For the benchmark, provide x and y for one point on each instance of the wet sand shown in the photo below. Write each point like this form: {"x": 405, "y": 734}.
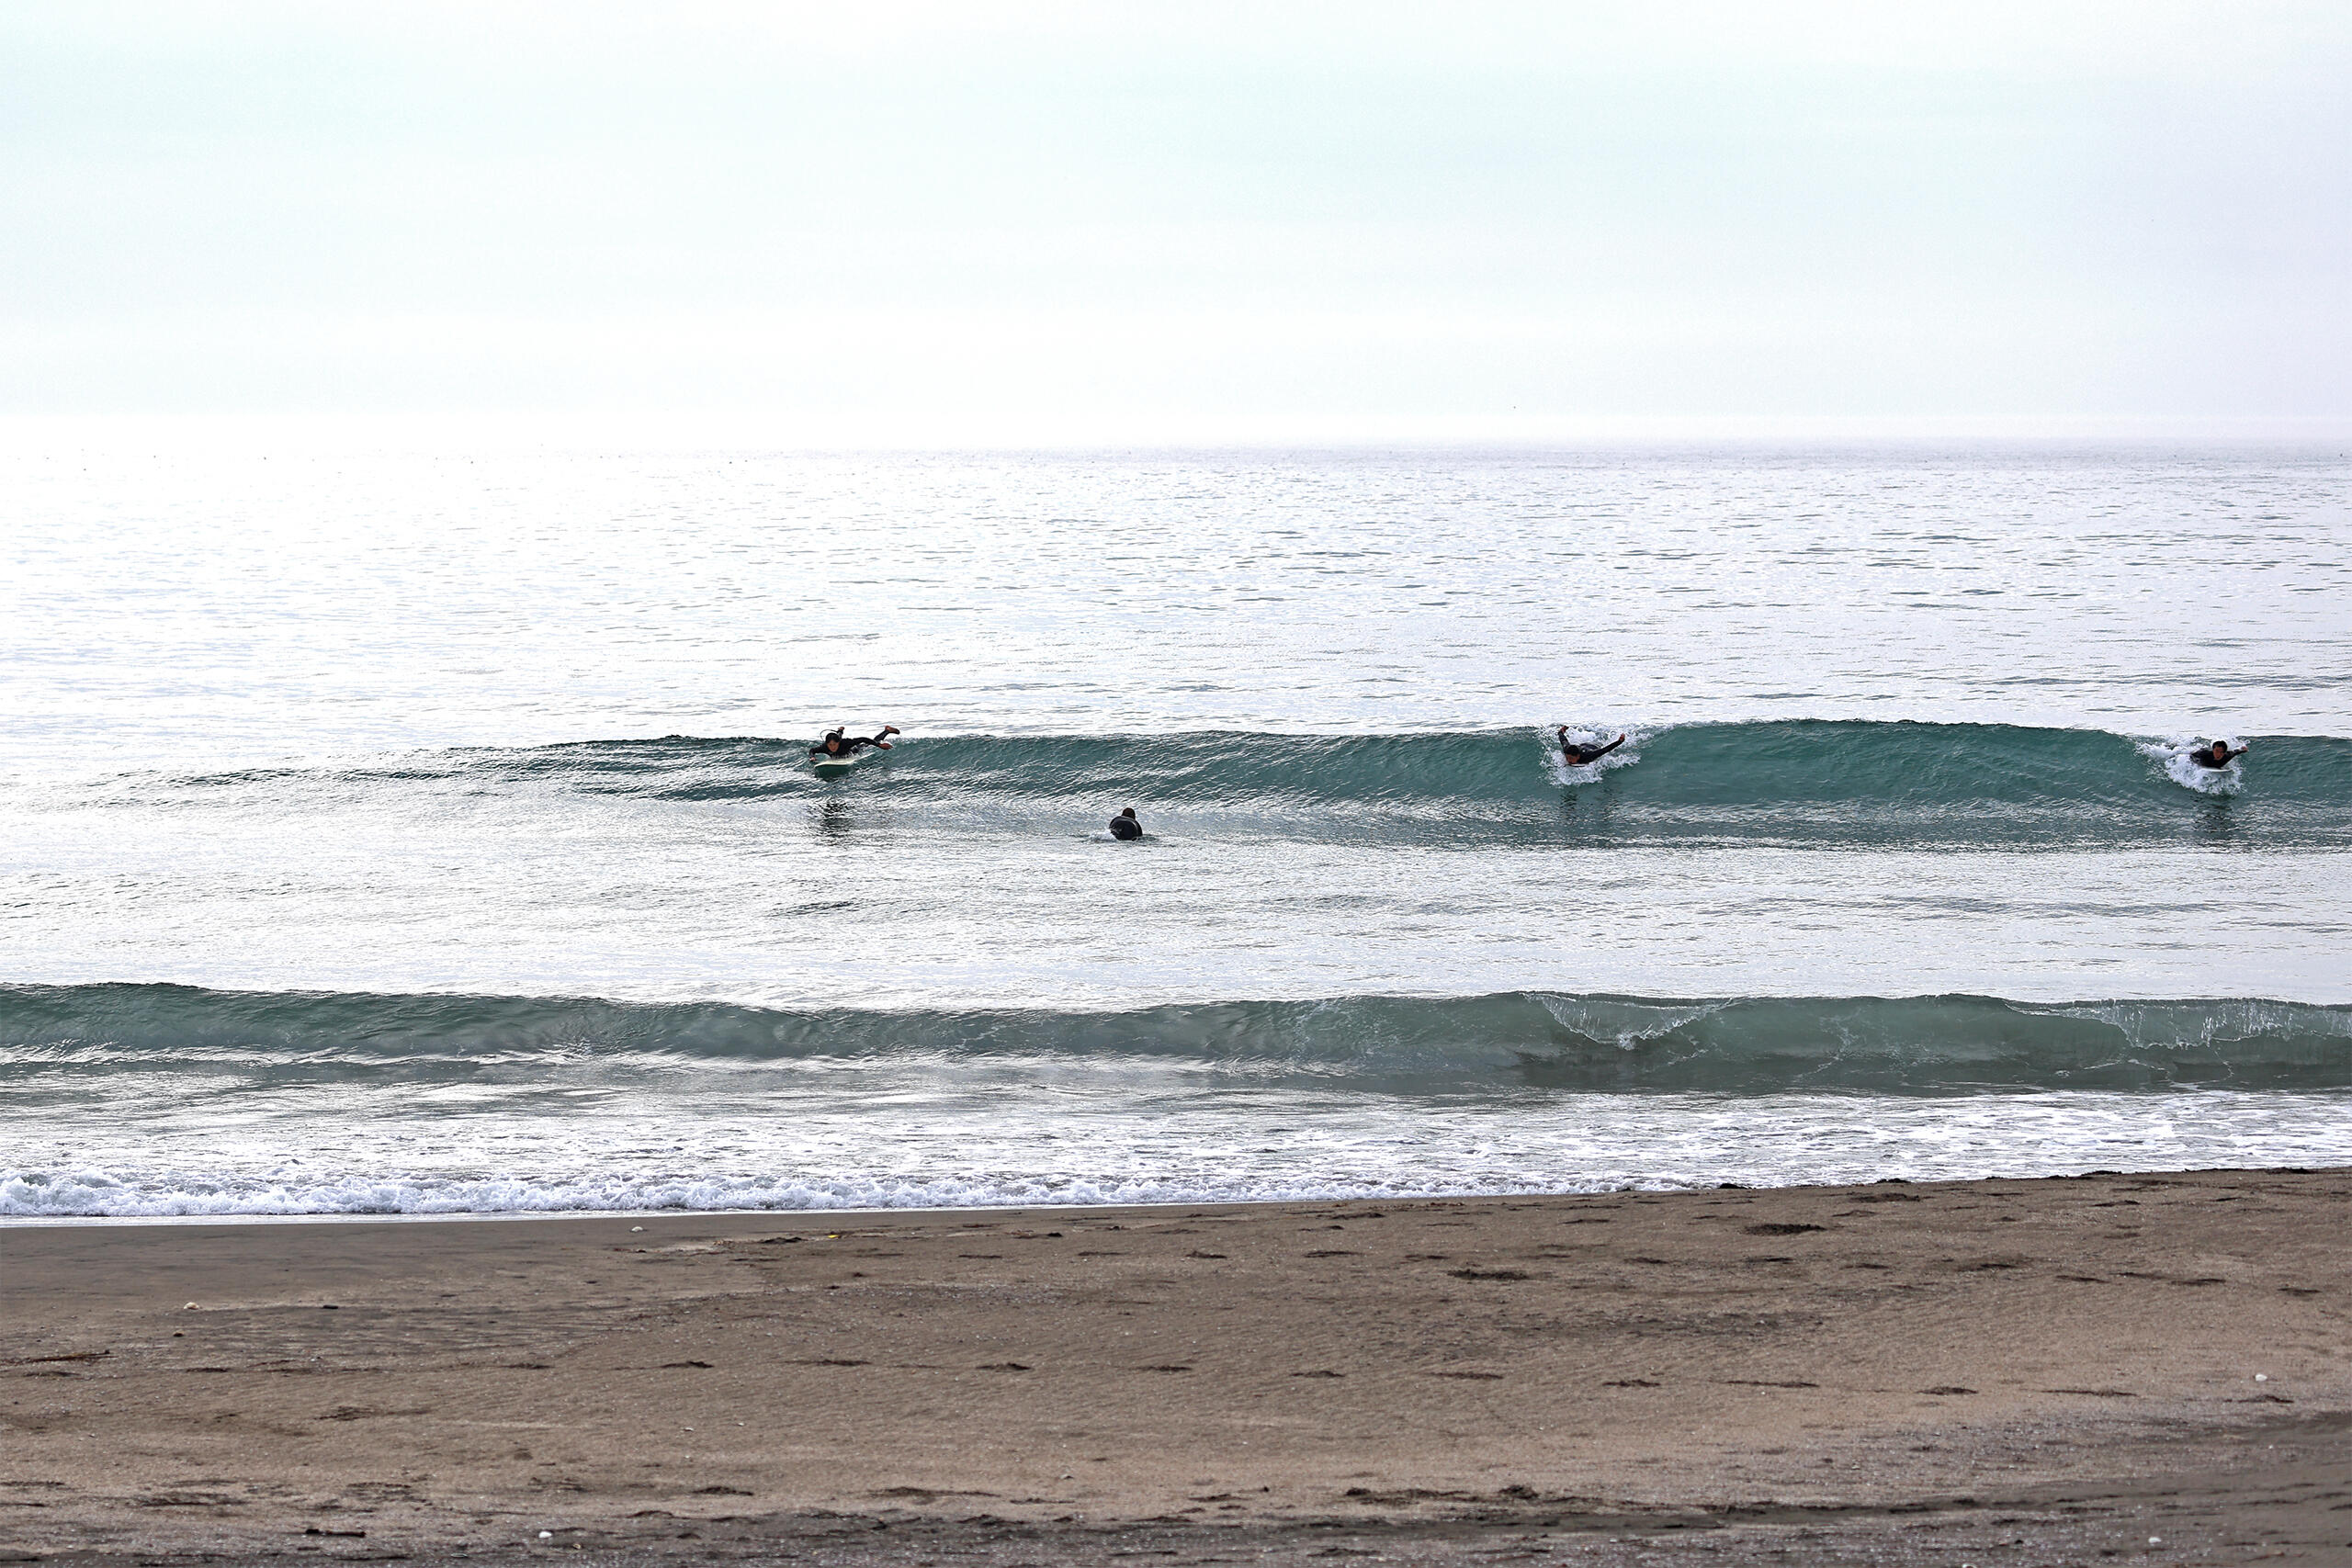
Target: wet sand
{"x": 1972, "y": 1372}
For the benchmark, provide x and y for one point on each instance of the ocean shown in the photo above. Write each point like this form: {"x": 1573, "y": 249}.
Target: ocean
{"x": 418, "y": 833}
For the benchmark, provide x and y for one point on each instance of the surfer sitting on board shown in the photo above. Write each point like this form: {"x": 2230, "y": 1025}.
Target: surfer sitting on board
{"x": 839, "y": 744}
{"x": 2217, "y": 755}
{"x": 1124, "y": 826}
{"x": 1578, "y": 754}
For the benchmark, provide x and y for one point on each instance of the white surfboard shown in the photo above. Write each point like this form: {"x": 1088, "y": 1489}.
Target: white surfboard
{"x": 835, "y": 767}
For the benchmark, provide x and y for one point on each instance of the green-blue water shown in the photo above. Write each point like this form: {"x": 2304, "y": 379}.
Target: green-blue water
{"x": 1802, "y": 784}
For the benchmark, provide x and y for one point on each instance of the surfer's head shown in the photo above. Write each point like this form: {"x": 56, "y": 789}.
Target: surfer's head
{"x": 1129, "y": 812}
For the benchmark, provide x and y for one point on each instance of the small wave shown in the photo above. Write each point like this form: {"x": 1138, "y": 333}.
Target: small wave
{"x": 1800, "y": 782}
{"x": 1732, "y": 1045}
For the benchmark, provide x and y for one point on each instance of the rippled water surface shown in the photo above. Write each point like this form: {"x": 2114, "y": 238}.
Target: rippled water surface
{"x": 1906, "y": 723}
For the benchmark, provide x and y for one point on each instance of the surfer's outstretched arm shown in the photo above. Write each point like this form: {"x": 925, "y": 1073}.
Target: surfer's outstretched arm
{"x": 1580, "y": 755}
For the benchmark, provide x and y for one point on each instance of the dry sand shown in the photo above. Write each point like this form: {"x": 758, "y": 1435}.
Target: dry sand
{"x": 2045, "y": 1371}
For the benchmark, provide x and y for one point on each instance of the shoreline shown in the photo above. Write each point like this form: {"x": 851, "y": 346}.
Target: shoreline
{"x": 867, "y": 1214}
{"x": 1888, "y": 1367}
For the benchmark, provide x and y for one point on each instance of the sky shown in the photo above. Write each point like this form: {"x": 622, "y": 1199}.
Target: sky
{"x": 1177, "y": 221}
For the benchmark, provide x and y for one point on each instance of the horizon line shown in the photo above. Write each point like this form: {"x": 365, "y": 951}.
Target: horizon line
{"x": 779, "y": 431}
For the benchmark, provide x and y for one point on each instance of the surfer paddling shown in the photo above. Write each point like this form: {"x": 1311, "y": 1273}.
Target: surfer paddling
{"x": 839, "y": 743}
{"x": 2217, "y": 755}
{"x": 1577, "y": 754}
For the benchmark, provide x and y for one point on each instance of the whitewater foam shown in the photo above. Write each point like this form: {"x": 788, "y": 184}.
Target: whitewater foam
{"x": 668, "y": 1153}
{"x": 1573, "y": 775}
{"x": 2173, "y": 756}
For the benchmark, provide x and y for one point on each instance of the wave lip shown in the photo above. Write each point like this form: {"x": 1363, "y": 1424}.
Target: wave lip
{"x": 1393, "y": 1044}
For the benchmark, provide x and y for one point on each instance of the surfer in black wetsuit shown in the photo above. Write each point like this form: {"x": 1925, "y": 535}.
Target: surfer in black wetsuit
{"x": 2217, "y": 755}
{"x": 1124, "y": 826}
{"x": 837, "y": 743}
{"x": 1578, "y": 755}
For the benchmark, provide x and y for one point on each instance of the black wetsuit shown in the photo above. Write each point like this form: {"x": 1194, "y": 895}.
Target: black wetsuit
{"x": 1578, "y": 756}
{"x": 1126, "y": 827}
{"x": 845, "y": 745}
{"x": 2215, "y": 756}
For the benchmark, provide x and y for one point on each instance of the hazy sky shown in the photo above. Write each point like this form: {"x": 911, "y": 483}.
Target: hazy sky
{"x": 1177, "y": 221}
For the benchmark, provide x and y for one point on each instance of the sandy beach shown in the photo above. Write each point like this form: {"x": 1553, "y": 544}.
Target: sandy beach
{"x": 2150, "y": 1366}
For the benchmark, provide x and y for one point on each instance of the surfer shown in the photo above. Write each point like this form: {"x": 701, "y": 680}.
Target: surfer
{"x": 1124, "y": 826}
{"x": 1578, "y": 754}
{"x": 838, "y": 743}
{"x": 2217, "y": 755}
